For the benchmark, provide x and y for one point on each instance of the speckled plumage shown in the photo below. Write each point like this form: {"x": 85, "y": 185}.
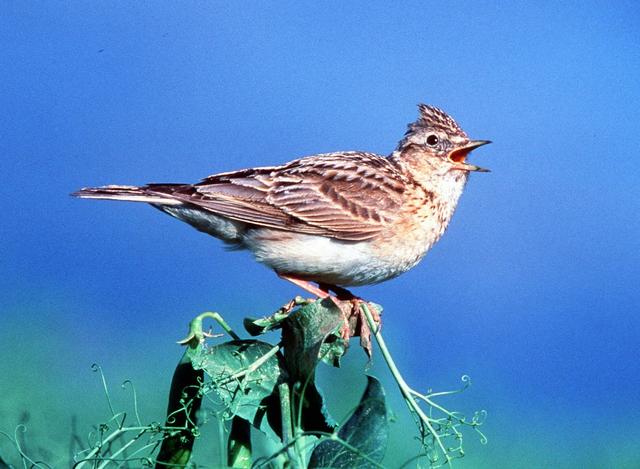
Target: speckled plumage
{"x": 344, "y": 218}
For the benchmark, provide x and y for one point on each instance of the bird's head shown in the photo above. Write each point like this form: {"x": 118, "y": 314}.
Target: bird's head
{"x": 438, "y": 139}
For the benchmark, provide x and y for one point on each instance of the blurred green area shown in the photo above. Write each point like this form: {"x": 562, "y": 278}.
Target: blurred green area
{"x": 48, "y": 386}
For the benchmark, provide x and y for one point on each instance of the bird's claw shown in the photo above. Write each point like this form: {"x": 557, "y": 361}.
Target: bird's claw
{"x": 355, "y": 322}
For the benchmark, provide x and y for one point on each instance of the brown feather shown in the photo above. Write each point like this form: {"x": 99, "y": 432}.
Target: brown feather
{"x": 350, "y": 196}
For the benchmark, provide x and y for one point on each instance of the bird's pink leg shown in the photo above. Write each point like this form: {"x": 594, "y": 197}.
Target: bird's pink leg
{"x": 348, "y": 303}
{"x": 306, "y": 285}
{"x": 345, "y": 295}
{"x": 322, "y": 291}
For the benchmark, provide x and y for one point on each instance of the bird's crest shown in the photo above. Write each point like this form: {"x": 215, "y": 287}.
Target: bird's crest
{"x": 435, "y": 118}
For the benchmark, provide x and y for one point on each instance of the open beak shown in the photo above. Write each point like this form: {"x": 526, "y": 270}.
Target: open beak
{"x": 459, "y": 155}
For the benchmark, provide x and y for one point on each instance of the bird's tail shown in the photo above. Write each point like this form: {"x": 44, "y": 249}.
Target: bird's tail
{"x": 128, "y": 193}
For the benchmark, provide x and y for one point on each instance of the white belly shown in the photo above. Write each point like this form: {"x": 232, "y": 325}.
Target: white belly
{"x": 326, "y": 260}
{"x": 322, "y": 259}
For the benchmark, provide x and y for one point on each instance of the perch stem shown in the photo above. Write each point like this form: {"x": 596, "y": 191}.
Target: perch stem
{"x": 405, "y": 389}
{"x": 287, "y": 425}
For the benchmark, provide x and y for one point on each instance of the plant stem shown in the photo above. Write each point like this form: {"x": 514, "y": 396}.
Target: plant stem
{"x": 406, "y": 391}
{"x": 251, "y": 368}
{"x": 287, "y": 426}
{"x": 95, "y": 451}
{"x": 115, "y": 455}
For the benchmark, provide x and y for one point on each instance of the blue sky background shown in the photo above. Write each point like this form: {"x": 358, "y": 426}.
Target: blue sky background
{"x": 533, "y": 291}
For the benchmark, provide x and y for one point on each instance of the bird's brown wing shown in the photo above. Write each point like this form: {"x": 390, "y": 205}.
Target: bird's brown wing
{"x": 350, "y": 196}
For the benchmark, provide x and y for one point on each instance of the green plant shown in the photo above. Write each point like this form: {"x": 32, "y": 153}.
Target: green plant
{"x": 250, "y": 385}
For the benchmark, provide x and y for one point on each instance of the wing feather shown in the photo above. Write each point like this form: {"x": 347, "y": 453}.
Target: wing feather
{"x": 350, "y": 196}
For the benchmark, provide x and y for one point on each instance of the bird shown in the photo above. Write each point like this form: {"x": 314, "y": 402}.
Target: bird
{"x": 338, "y": 220}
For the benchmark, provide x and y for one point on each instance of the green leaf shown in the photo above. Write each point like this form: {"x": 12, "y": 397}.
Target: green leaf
{"x": 243, "y": 373}
{"x": 303, "y": 334}
{"x": 333, "y": 346}
{"x": 332, "y": 350}
{"x": 239, "y": 444}
{"x": 366, "y": 434}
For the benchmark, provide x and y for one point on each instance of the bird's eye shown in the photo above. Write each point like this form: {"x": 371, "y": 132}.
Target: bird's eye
{"x": 432, "y": 140}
